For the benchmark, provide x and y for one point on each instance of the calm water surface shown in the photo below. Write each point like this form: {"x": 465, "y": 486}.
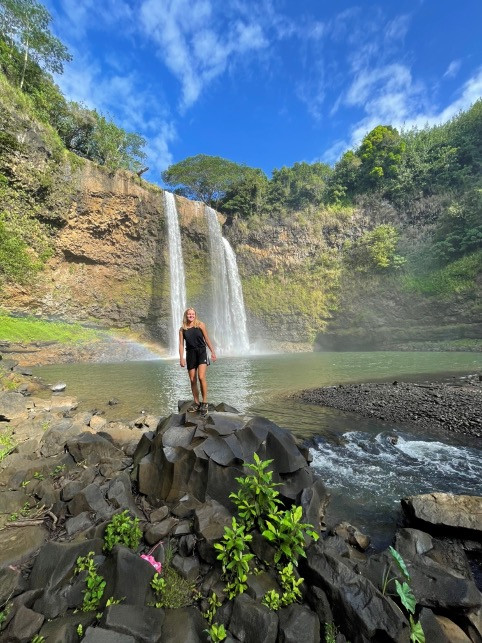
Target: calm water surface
{"x": 366, "y": 473}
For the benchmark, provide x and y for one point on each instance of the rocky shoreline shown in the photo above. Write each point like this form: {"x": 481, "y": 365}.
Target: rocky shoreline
{"x": 67, "y": 476}
{"x": 454, "y": 406}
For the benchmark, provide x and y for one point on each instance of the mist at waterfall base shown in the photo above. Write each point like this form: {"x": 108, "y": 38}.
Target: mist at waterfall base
{"x": 365, "y": 472}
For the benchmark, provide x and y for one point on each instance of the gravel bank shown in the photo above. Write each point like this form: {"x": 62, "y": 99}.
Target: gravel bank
{"x": 451, "y": 406}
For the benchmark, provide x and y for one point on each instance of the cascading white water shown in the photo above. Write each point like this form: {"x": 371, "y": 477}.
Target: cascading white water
{"x": 229, "y": 318}
{"x": 176, "y": 271}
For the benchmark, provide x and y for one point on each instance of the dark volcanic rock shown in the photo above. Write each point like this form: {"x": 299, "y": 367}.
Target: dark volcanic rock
{"x": 362, "y": 610}
{"x": 251, "y": 621}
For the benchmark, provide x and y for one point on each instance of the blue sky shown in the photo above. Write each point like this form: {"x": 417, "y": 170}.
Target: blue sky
{"x": 269, "y": 82}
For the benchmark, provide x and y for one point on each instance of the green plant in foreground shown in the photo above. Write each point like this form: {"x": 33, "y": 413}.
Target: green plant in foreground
{"x": 94, "y": 583}
{"x": 330, "y": 633}
{"x": 38, "y": 639}
{"x": 272, "y": 599}
{"x": 404, "y": 592}
{"x": 216, "y": 632}
{"x": 122, "y": 530}
{"x": 172, "y": 591}
{"x": 290, "y": 585}
{"x": 213, "y": 603}
{"x": 234, "y": 558}
{"x": 285, "y": 530}
{"x": 257, "y": 496}
{"x": 80, "y": 630}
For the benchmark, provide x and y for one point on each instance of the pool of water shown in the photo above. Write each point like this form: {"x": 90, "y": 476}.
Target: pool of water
{"x": 367, "y": 464}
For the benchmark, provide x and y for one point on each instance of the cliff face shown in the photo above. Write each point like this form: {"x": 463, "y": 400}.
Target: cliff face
{"x": 109, "y": 263}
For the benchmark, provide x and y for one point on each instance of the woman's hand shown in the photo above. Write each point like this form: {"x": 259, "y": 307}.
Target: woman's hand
{"x": 213, "y": 356}
{"x": 182, "y": 362}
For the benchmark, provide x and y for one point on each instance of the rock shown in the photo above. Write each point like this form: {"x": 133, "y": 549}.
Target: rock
{"x": 225, "y": 408}
{"x": 432, "y": 628}
{"x": 314, "y": 500}
{"x": 127, "y": 575}
{"x": 252, "y": 621}
{"x": 160, "y": 530}
{"x": 81, "y": 522}
{"x": 64, "y": 629}
{"x": 352, "y": 535}
{"x": 12, "y": 405}
{"x": 188, "y": 568}
{"x": 93, "y": 449}
{"x": 120, "y": 495}
{"x": 446, "y": 511}
{"x": 101, "y": 635}
{"x": 361, "y": 608}
{"x": 60, "y": 386}
{"x": 259, "y": 584}
{"x": 210, "y": 520}
{"x": 298, "y": 624}
{"x": 113, "y": 401}
{"x": 18, "y": 544}
{"x": 91, "y": 499}
{"x": 452, "y": 632}
{"x": 97, "y": 423}
{"x": 11, "y": 583}
{"x": 54, "y": 439}
{"x": 24, "y": 625}
{"x": 142, "y": 623}
{"x": 159, "y": 514}
{"x": 55, "y": 562}
{"x": 183, "y": 625}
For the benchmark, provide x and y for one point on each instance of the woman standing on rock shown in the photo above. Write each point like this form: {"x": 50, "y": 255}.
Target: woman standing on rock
{"x": 194, "y": 333}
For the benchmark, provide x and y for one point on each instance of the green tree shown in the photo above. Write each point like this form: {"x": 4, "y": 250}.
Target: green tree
{"x": 25, "y": 23}
{"x": 298, "y": 186}
{"x": 380, "y": 153}
{"x": 114, "y": 147}
{"x": 247, "y": 197}
{"x": 342, "y": 184}
{"x": 205, "y": 178}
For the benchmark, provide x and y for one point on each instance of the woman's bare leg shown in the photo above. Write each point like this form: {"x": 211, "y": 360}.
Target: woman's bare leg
{"x": 201, "y": 372}
{"x": 194, "y": 388}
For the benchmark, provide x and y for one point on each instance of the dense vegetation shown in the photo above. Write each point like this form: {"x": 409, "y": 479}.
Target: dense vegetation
{"x": 420, "y": 189}
{"x": 28, "y": 52}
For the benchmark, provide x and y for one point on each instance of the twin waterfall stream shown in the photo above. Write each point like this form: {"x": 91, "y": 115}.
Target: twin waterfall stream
{"x": 229, "y": 333}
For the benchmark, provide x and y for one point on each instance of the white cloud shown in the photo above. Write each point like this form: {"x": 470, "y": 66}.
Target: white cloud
{"x": 389, "y": 96}
{"x": 453, "y": 69}
{"x": 195, "y": 44}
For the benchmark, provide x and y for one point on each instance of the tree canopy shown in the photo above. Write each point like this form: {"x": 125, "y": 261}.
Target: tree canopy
{"x": 202, "y": 177}
{"x": 25, "y": 23}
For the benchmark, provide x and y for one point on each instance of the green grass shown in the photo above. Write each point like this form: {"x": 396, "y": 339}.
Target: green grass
{"x": 7, "y": 444}
{"x": 455, "y": 278}
{"x": 30, "y": 329}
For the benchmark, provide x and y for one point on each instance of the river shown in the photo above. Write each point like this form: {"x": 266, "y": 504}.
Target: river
{"x": 365, "y": 472}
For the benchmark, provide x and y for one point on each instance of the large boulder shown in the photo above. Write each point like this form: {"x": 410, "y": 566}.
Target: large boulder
{"x": 446, "y": 511}
{"x": 364, "y": 612}
{"x": 200, "y": 458}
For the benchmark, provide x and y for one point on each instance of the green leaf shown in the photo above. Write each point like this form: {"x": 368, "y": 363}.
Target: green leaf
{"x": 416, "y": 632}
{"x": 406, "y": 596}
{"x": 400, "y": 563}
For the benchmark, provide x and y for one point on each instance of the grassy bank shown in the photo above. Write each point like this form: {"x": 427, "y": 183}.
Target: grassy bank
{"x": 30, "y": 329}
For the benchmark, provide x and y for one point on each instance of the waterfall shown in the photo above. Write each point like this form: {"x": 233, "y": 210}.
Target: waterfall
{"x": 229, "y": 317}
{"x": 176, "y": 271}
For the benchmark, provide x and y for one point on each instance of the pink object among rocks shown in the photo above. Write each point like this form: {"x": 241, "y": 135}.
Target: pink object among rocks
{"x": 152, "y": 561}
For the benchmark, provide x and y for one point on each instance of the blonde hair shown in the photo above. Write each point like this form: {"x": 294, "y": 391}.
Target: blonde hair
{"x": 196, "y": 323}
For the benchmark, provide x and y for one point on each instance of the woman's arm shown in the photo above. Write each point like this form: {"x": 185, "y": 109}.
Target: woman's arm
{"x": 202, "y": 326}
{"x": 182, "y": 361}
